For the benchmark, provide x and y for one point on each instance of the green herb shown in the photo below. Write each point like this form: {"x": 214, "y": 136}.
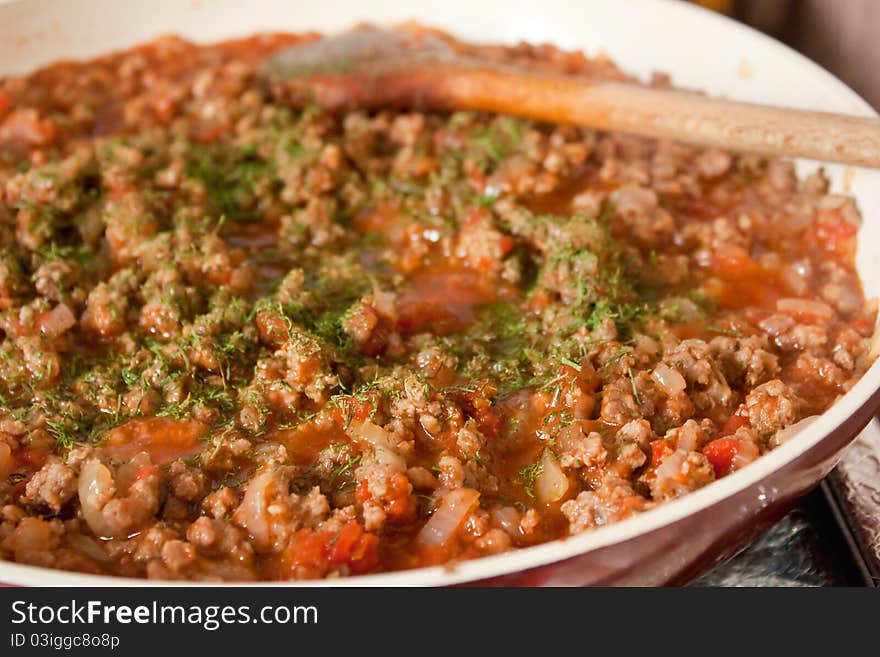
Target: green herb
{"x": 513, "y": 129}
{"x": 130, "y": 376}
{"x": 491, "y": 146}
{"x": 527, "y": 475}
{"x": 65, "y": 437}
{"x": 577, "y": 367}
{"x": 341, "y": 470}
{"x": 632, "y": 382}
{"x": 232, "y": 176}
{"x": 732, "y": 331}
{"x": 487, "y": 199}
{"x": 512, "y": 426}
{"x": 177, "y": 409}
{"x": 212, "y": 397}
{"x": 564, "y": 417}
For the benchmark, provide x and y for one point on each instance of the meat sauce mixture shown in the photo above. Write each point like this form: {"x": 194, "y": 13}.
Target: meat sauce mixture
{"x": 244, "y": 342}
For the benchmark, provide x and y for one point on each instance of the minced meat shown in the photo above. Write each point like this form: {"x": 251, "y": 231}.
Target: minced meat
{"x": 243, "y": 341}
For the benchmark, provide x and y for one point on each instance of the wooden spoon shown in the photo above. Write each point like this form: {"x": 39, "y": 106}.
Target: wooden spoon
{"x": 372, "y": 68}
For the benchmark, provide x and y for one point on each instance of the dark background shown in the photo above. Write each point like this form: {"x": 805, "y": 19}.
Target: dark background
{"x": 841, "y": 35}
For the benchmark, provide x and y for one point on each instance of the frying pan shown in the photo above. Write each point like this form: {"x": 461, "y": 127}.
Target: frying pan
{"x": 700, "y": 50}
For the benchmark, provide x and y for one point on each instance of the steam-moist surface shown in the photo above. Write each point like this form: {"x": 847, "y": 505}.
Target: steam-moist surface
{"x": 245, "y": 342}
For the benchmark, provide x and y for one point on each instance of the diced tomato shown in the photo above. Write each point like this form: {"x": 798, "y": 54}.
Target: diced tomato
{"x": 346, "y": 542}
{"x": 741, "y": 280}
{"x": 568, "y": 372}
{"x": 313, "y": 554}
{"x": 305, "y": 553}
{"x": 398, "y": 502}
{"x": 660, "y": 449}
{"x": 488, "y": 420}
{"x": 4, "y": 102}
{"x": 362, "y": 491}
{"x": 733, "y": 423}
{"x": 355, "y": 547}
{"x": 354, "y": 410}
{"x": 721, "y": 453}
{"x": 506, "y": 244}
{"x": 400, "y": 507}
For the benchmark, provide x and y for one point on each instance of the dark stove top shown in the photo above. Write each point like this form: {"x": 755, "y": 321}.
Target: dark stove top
{"x": 806, "y": 548}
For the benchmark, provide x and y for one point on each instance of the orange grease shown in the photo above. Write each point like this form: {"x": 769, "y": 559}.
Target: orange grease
{"x": 164, "y": 439}
{"x": 444, "y": 299}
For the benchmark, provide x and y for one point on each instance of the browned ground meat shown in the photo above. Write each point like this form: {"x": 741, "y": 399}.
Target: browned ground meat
{"x": 243, "y": 342}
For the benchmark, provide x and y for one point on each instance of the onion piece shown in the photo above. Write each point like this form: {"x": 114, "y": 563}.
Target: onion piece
{"x": 116, "y": 504}
{"x": 669, "y": 379}
{"x": 746, "y": 452}
{"x": 670, "y": 467}
{"x": 689, "y": 436}
{"x": 455, "y": 506}
{"x": 96, "y": 487}
{"x": 253, "y": 512}
{"x": 508, "y": 517}
{"x": 551, "y": 483}
{"x": 58, "y": 320}
{"x": 89, "y": 547}
{"x": 381, "y": 442}
{"x": 805, "y": 308}
{"x": 789, "y": 432}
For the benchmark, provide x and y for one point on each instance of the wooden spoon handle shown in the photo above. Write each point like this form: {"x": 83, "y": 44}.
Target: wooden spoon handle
{"x": 599, "y": 104}
{"x": 669, "y": 114}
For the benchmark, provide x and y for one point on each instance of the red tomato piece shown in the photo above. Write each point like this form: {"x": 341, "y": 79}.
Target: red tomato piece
{"x": 721, "y": 453}
{"x": 733, "y": 423}
{"x": 660, "y": 449}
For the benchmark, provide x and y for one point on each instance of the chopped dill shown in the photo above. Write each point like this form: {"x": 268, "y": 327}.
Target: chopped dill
{"x": 64, "y": 435}
{"x": 341, "y": 470}
{"x": 526, "y": 477}
{"x": 577, "y": 367}
{"x": 632, "y": 382}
